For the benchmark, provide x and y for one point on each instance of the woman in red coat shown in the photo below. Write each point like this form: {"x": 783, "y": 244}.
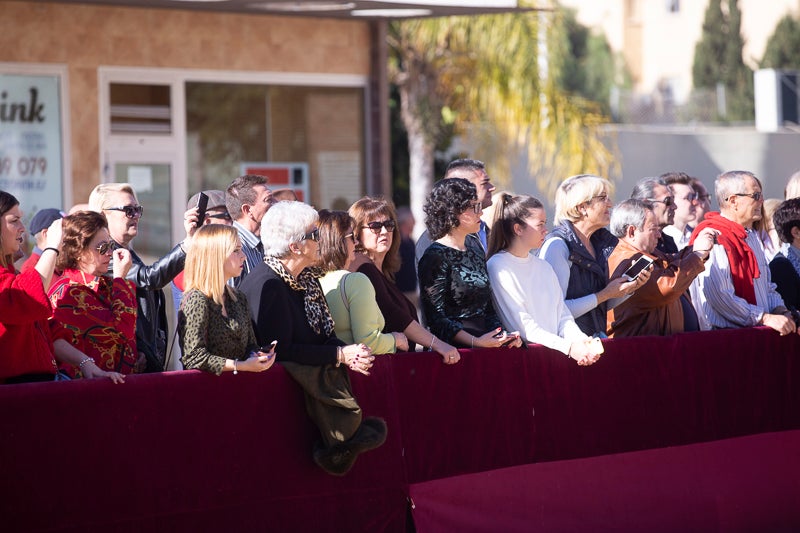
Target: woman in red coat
{"x": 27, "y": 350}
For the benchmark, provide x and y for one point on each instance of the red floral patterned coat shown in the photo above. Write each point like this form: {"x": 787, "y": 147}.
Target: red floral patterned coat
{"x": 99, "y": 316}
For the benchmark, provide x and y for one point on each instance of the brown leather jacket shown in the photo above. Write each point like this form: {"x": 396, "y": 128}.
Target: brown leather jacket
{"x": 654, "y": 309}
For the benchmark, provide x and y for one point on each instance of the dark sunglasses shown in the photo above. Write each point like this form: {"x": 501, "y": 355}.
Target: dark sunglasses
{"x": 131, "y": 211}
{"x": 312, "y": 235}
{"x": 106, "y": 246}
{"x": 375, "y": 227}
{"x": 754, "y": 195}
{"x": 668, "y": 201}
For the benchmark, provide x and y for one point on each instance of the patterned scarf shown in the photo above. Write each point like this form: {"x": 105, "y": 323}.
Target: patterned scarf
{"x": 317, "y": 312}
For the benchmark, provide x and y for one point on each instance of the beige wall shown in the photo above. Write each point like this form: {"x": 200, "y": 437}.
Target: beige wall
{"x": 85, "y": 37}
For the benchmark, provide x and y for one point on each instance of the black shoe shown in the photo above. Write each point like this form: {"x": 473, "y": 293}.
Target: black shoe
{"x": 336, "y": 460}
{"x": 370, "y": 435}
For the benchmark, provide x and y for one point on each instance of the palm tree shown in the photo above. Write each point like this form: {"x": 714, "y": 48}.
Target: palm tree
{"x": 489, "y": 75}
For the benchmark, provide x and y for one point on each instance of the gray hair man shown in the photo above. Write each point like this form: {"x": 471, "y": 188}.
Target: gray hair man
{"x": 736, "y": 289}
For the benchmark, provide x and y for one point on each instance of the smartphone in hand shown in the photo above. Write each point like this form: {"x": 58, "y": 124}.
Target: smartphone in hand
{"x": 202, "y": 205}
{"x": 268, "y": 348}
{"x": 636, "y": 268}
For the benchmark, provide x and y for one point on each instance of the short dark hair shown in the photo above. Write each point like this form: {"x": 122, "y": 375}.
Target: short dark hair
{"x": 455, "y": 167}
{"x": 448, "y": 199}
{"x": 333, "y": 226}
{"x": 241, "y": 192}
{"x": 78, "y": 230}
{"x": 676, "y": 177}
{"x": 786, "y": 217}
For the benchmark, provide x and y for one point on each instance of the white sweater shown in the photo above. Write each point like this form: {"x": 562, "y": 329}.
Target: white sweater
{"x": 528, "y": 299}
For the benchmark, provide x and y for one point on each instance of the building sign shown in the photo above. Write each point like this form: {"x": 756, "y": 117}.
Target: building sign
{"x": 30, "y": 141}
{"x": 292, "y": 176}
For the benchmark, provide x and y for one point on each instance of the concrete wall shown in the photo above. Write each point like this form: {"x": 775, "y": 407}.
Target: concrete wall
{"x": 85, "y": 37}
{"x": 703, "y": 153}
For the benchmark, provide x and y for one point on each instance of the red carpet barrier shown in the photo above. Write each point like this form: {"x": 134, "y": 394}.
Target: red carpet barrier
{"x": 190, "y": 451}
{"x": 742, "y": 484}
{"x": 187, "y": 451}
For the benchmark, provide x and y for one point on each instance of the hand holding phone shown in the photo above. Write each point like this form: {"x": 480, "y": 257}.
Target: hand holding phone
{"x": 269, "y": 349}
{"x": 202, "y": 205}
{"x": 637, "y": 267}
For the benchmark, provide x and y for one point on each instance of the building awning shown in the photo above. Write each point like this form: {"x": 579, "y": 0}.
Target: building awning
{"x": 341, "y": 9}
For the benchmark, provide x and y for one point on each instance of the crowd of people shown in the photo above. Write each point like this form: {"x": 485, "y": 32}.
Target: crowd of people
{"x": 260, "y": 279}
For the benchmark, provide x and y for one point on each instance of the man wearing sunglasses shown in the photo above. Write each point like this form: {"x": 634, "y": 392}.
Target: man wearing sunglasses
{"x": 736, "y": 289}
{"x": 656, "y": 193}
{"x": 118, "y": 202}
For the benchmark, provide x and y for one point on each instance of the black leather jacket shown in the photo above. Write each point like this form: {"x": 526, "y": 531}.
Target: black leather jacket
{"x": 151, "y": 322}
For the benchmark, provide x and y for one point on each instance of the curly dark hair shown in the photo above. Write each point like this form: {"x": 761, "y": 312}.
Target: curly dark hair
{"x": 78, "y": 229}
{"x": 786, "y": 217}
{"x": 333, "y": 226}
{"x": 448, "y": 199}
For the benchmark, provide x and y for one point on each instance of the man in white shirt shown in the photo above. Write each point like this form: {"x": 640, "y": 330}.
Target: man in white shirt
{"x": 735, "y": 290}
{"x": 685, "y": 207}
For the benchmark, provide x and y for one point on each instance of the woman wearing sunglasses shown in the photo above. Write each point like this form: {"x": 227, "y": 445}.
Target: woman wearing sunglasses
{"x": 95, "y": 313}
{"x": 378, "y": 258}
{"x": 287, "y": 305}
{"x": 578, "y": 250}
{"x": 350, "y": 295}
{"x": 455, "y": 290}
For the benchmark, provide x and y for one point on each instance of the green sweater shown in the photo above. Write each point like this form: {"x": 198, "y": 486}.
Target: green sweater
{"x": 363, "y": 322}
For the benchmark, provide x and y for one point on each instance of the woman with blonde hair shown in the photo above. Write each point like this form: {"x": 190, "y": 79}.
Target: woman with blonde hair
{"x": 578, "y": 250}
{"x": 216, "y": 334}
{"x": 350, "y": 295}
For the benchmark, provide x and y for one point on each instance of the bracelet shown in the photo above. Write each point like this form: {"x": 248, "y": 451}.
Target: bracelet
{"x": 235, "y": 370}
{"x": 51, "y": 248}
{"x": 433, "y": 338}
{"x": 473, "y": 341}
{"x": 87, "y": 360}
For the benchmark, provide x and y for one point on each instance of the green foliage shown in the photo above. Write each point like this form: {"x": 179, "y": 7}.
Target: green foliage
{"x": 588, "y": 67}
{"x": 718, "y": 59}
{"x": 484, "y": 71}
{"x": 783, "y": 46}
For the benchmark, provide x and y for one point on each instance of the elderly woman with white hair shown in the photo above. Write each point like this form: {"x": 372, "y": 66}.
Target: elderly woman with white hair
{"x": 578, "y": 250}
{"x": 287, "y": 305}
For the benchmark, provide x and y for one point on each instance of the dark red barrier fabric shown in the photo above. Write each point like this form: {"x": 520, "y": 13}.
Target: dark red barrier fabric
{"x": 742, "y": 484}
{"x": 192, "y": 451}
{"x": 188, "y": 451}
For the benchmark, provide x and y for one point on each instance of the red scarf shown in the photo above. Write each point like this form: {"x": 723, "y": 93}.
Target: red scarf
{"x": 744, "y": 267}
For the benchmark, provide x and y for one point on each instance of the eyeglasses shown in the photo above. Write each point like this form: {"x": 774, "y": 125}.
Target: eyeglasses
{"x": 756, "y": 196}
{"x": 375, "y": 227}
{"x": 351, "y": 236}
{"x": 106, "y": 246}
{"x": 703, "y": 197}
{"x": 691, "y": 197}
{"x": 477, "y": 208}
{"x": 223, "y": 216}
{"x": 668, "y": 201}
{"x": 131, "y": 211}
{"x": 312, "y": 235}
